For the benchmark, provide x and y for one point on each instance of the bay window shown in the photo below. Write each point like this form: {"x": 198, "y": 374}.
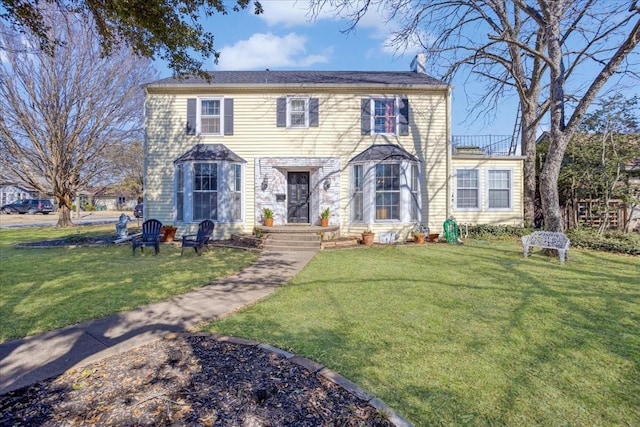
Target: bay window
{"x": 209, "y": 189}
{"x": 385, "y": 186}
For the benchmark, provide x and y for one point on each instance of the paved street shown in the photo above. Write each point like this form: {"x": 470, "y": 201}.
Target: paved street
{"x": 39, "y": 220}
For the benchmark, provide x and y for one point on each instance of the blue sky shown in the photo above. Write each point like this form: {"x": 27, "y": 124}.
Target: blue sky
{"x": 286, "y": 38}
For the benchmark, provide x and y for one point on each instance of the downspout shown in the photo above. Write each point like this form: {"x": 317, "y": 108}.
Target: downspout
{"x": 449, "y": 154}
{"x": 145, "y": 148}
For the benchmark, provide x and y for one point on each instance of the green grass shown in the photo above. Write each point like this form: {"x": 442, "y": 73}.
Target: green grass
{"x": 468, "y": 335}
{"x": 44, "y": 289}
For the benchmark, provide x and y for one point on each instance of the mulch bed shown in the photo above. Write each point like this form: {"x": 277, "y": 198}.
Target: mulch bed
{"x": 189, "y": 380}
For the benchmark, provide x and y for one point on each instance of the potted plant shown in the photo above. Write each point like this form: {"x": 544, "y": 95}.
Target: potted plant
{"x": 268, "y": 217}
{"x": 168, "y": 233}
{"x": 324, "y": 217}
{"x": 367, "y": 237}
{"x": 418, "y": 237}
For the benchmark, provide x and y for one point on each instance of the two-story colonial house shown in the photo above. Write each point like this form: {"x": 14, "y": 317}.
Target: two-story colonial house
{"x": 373, "y": 147}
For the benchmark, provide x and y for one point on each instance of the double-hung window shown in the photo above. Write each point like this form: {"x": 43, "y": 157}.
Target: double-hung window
{"x": 205, "y": 191}
{"x": 235, "y": 186}
{"x": 179, "y": 183}
{"x": 415, "y": 188}
{"x": 210, "y": 116}
{"x": 498, "y": 189}
{"x": 357, "y": 206}
{"x": 298, "y": 112}
{"x": 467, "y": 189}
{"x": 387, "y": 191}
{"x": 384, "y": 116}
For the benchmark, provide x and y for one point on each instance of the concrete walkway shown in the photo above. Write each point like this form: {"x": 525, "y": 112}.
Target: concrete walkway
{"x": 26, "y": 361}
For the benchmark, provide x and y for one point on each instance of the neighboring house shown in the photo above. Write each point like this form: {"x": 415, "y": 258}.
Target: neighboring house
{"x": 111, "y": 199}
{"x": 373, "y": 147}
{"x": 10, "y": 192}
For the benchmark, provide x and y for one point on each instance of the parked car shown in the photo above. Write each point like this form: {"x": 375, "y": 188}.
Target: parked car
{"x": 137, "y": 211}
{"x": 30, "y": 206}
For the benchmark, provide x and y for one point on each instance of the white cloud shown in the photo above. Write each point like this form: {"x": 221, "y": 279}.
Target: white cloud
{"x": 290, "y": 13}
{"x": 269, "y": 51}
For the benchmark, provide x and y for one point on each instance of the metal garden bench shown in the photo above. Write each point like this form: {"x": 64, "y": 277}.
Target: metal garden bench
{"x": 547, "y": 240}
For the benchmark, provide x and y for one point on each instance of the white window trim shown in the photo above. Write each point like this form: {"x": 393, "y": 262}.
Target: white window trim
{"x": 199, "y": 115}
{"x": 455, "y": 190}
{"x": 372, "y": 107}
{"x": 510, "y": 170}
{"x": 402, "y": 184}
{"x": 352, "y": 192}
{"x": 369, "y": 192}
{"x": 306, "y": 112}
{"x": 242, "y": 192}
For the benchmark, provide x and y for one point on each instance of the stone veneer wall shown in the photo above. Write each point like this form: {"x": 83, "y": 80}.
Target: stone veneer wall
{"x": 320, "y": 169}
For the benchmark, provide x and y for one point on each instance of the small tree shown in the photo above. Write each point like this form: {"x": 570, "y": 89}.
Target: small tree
{"x": 59, "y": 111}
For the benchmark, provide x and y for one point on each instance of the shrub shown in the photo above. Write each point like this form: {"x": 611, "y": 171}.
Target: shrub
{"x": 485, "y": 231}
{"x": 612, "y": 241}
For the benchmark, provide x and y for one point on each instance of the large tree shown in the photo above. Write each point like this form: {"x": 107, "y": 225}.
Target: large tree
{"x": 552, "y": 54}
{"x": 169, "y": 29}
{"x": 59, "y": 111}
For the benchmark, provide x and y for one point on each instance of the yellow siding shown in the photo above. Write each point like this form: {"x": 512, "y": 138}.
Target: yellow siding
{"x": 256, "y": 135}
{"x": 483, "y": 215}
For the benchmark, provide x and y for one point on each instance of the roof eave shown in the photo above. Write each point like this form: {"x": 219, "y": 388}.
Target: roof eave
{"x": 171, "y": 87}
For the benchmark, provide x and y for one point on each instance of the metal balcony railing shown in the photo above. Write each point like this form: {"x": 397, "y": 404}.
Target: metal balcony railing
{"x": 490, "y": 145}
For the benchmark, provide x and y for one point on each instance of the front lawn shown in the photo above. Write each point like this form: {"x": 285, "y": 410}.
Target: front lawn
{"x": 468, "y": 335}
{"x": 44, "y": 289}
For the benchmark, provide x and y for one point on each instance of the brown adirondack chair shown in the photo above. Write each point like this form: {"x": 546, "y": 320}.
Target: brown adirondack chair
{"x": 150, "y": 236}
{"x": 198, "y": 241}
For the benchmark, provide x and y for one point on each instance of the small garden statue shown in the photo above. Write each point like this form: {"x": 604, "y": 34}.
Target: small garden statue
{"x": 121, "y": 226}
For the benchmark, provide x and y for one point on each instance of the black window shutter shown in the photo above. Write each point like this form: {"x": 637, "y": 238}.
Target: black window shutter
{"x": 365, "y": 116}
{"x": 281, "y": 112}
{"x": 404, "y": 116}
{"x": 191, "y": 116}
{"x": 313, "y": 112}
{"x": 228, "y": 116}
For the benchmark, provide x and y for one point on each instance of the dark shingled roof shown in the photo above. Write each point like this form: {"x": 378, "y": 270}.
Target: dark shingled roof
{"x": 210, "y": 152}
{"x": 384, "y": 152}
{"x": 307, "y": 77}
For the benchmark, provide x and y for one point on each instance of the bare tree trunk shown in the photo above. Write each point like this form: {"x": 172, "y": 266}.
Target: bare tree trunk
{"x": 64, "y": 200}
{"x": 528, "y": 147}
{"x": 549, "y": 186}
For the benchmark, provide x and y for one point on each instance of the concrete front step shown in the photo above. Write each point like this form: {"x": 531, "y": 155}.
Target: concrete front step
{"x": 292, "y": 242}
